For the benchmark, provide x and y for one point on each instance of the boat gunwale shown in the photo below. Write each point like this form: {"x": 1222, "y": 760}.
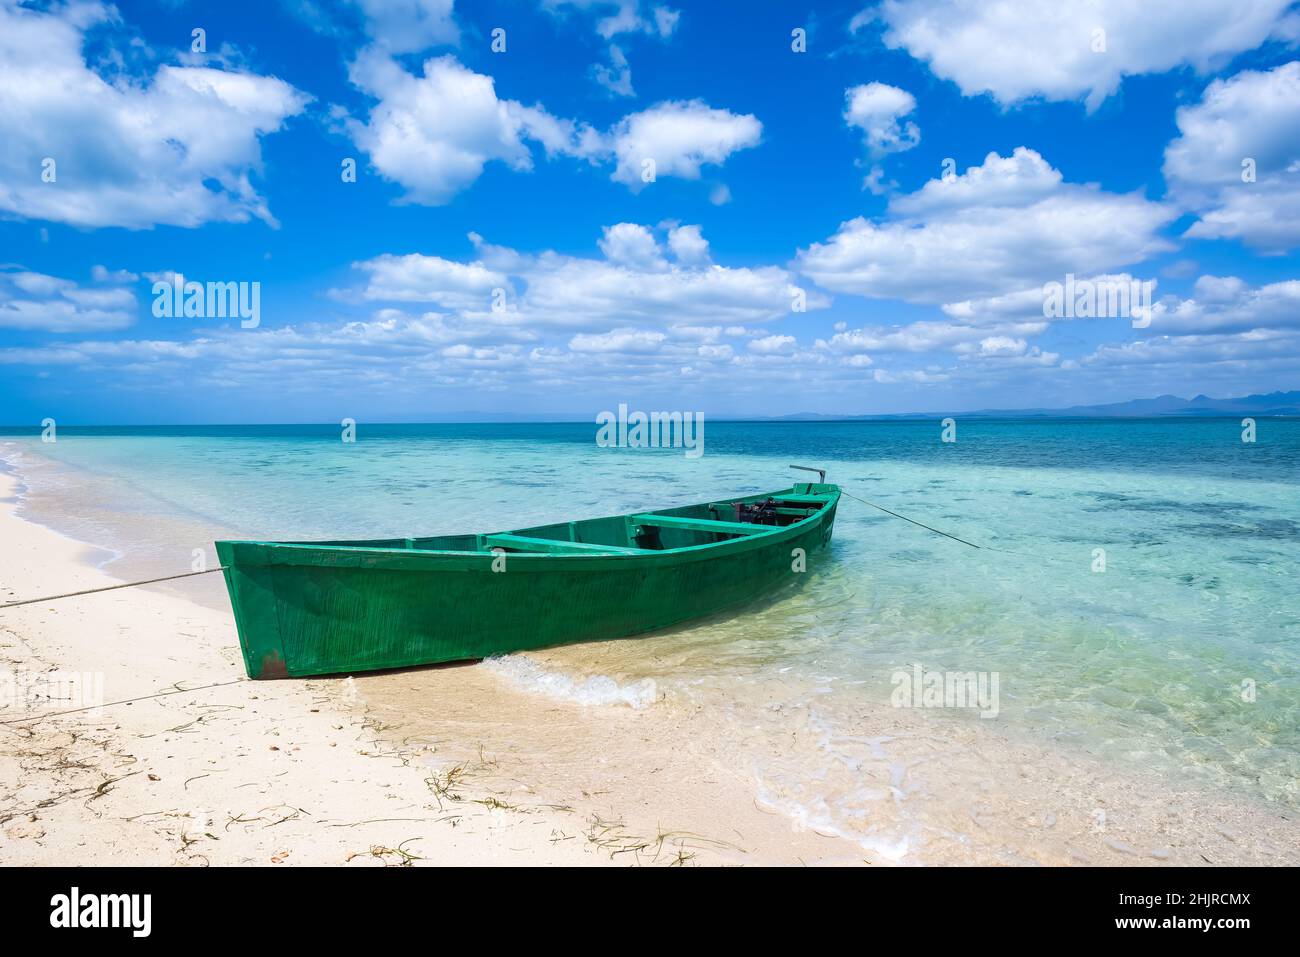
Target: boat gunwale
{"x": 275, "y": 553}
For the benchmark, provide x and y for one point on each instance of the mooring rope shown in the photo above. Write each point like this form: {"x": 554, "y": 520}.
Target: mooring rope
{"x": 42, "y": 715}
{"x": 1041, "y": 558}
{"x": 915, "y": 522}
{"x": 91, "y": 591}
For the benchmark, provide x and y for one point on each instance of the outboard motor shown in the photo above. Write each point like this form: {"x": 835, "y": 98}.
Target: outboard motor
{"x": 757, "y": 513}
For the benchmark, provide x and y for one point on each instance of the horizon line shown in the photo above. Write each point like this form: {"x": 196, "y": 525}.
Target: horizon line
{"x": 765, "y": 420}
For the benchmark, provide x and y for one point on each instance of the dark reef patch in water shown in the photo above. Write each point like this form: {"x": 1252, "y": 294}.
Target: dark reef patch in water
{"x": 1146, "y": 538}
{"x": 1255, "y": 559}
{"x": 1138, "y": 504}
{"x": 911, "y": 555}
{"x": 1275, "y": 529}
{"x": 1187, "y": 578}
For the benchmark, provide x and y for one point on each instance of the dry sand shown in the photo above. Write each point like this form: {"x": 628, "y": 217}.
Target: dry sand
{"x": 457, "y": 765}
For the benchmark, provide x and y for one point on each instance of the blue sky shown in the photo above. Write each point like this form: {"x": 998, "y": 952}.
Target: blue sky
{"x": 864, "y": 226}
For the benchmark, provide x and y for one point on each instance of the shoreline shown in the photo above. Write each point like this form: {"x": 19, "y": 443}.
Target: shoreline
{"x": 465, "y": 764}
{"x": 272, "y": 773}
{"x": 241, "y": 773}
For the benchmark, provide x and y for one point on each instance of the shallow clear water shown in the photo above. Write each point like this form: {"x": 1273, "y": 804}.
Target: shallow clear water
{"x": 1183, "y": 656}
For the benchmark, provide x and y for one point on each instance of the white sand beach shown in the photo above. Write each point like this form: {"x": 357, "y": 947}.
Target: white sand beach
{"x": 189, "y": 764}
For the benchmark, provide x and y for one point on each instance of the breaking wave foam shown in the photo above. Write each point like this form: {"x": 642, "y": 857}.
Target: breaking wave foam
{"x": 597, "y": 690}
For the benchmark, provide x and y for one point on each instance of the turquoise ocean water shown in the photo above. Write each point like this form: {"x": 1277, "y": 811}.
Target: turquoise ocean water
{"x": 1183, "y": 657}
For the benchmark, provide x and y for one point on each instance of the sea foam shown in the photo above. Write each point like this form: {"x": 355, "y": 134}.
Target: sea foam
{"x": 596, "y": 690}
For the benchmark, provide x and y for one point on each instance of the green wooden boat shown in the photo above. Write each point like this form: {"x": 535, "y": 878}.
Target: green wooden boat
{"x": 316, "y": 608}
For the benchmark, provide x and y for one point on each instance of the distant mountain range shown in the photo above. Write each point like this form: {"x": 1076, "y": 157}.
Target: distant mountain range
{"x": 1274, "y": 403}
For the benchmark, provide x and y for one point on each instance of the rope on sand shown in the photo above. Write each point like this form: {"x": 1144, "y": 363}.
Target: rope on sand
{"x": 40, "y": 716}
{"x": 91, "y": 591}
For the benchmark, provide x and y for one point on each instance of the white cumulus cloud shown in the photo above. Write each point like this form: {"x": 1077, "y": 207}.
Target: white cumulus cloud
{"x": 620, "y": 340}
{"x": 432, "y": 279}
{"x": 622, "y": 16}
{"x": 876, "y": 109}
{"x": 1237, "y": 159}
{"x": 638, "y": 279}
{"x": 1224, "y": 304}
{"x": 434, "y": 133}
{"x": 1002, "y": 227}
{"x": 688, "y": 245}
{"x": 31, "y": 300}
{"x": 774, "y": 344}
{"x": 1052, "y": 48}
{"x": 178, "y": 148}
{"x": 408, "y": 26}
{"x": 634, "y": 246}
{"x": 617, "y": 76}
{"x": 676, "y": 139}
{"x": 619, "y": 18}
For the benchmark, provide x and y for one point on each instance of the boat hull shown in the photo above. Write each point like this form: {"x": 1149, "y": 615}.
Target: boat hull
{"x": 308, "y": 609}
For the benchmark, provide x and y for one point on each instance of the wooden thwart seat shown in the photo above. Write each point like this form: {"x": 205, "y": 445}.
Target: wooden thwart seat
{"x": 816, "y": 500}
{"x": 524, "y": 543}
{"x": 700, "y": 524}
